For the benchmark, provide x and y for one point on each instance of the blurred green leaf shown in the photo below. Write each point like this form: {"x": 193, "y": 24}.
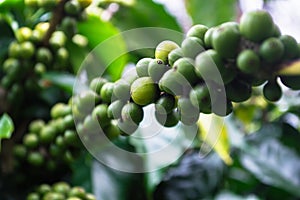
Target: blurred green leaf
{"x": 7, "y": 4}
{"x": 211, "y": 13}
{"x": 225, "y": 195}
{"x": 6, "y": 127}
{"x": 270, "y": 156}
{"x": 109, "y": 47}
{"x": 145, "y": 13}
{"x": 81, "y": 171}
{"x": 77, "y": 55}
{"x": 193, "y": 178}
{"x": 64, "y": 81}
{"x": 118, "y": 185}
{"x": 6, "y": 36}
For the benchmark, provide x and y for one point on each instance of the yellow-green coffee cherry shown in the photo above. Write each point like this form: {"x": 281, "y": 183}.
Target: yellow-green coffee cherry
{"x": 197, "y": 30}
{"x": 156, "y": 69}
{"x": 163, "y": 49}
{"x": 142, "y": 67}
{"x": 192, "y": 46}
{"x": 144, "y": 91}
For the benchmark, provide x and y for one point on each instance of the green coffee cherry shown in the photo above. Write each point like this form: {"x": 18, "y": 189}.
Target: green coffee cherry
{"x": 20, "y": 151}
{"x": 36, "y": 126}
{"x": 226, "y": 40}
{"x": 219, "y": 109}
{"x": 272, "y": 91}
{"x": 188, "y": 114}
{"x": 156, "y": 69}
{"x": 201, "y": 99}
{"x": 35, "y": 159}
{"x": 62, "y": 56}
{"x": 144, "y": 91}
{"x": 271, "y": 50}
{"x": 198, "y": 31}
{"x": 97, "y": 83}
{"x": 208, "y": 37}
{"x": 42, "y": 27}
{"x": 167, "y": 120}
{"x": 172, "y": 82}
{"x": 86, "y": 101}
{"x": 142, "y": 67}
{"x": 68, "y": 121}
{"x": 61, "y": 187}
{"x": 163, "y": 49}
{"x": 85, "y": 3}
{"x": 238, "y": 91}
{"x": 192, "y": 46}
{"x": 292, "y": 82}
{"x": 106, "y": 92}
{"x": 47, "y": 134}
{"x": 291, "y": 49}
{"x": 72, "y": 7}
{"x": 40, "y": 68}
{"x": 54, "y": 196}
{"x": 174, "y": 55}
{"x": 90, "y": 197}
{"x": 100, "y": 114}
{"x": 121, "y": 90}
{"x": 23, "y": 34}
{"x": 165, "y": 104}
{"x": 33, "y": 196}
{"x": 43, "y": 189}
{"x": 31, "y": 140}
{"x": 47, "y": 4}
{"x": 44, "y": 55}
{"x": 77, "y": 192}
{"x": 14, "y": 50}
{"x": 256, "y": 25}
{"x": 127, "y": 127}
{"x": 69, "y": 26}
{"x": 132, "y": 112}
{"x": 60, "y": 142}
{"x": 248, "y": 61}
{"x": 36, "y": 36}
{"x": 112, "y": 131}
{"x": 55, "y": 151}
{"x": 27, "y": 49}
{"x": 57, "y": 40}
{"x": 114, "y": 109}
{"x": 209, "y": 65}
{"x": 60, "y": 110}
{"x": 185, "y": 66}
{"x": 130, "y": 75}
{"x": 71, "y": 138}
{"x": 10, "y": 64}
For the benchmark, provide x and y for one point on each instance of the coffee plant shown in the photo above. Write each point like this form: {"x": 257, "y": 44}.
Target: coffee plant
{"x": 63, "y": 100}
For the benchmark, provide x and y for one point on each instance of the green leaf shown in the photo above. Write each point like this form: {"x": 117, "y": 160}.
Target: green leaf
{"x": 77, "y": 56}
{"x": 145, "y": 13}
{"x": 7, "y": 4}
{"x": 64, "y": 81}
{"x": 211, "y": 13}
{"x": 271, "y": 156}
{"x": 6, "y": 127}
{"x": 193, "y": 178}
{"x": 109, "y": 46}
{"x": 225, "y": 195}
{"x": 114, "y": 184}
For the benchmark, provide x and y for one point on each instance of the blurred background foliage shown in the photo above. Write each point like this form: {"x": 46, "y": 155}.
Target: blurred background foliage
{"x": 263, "y": 137}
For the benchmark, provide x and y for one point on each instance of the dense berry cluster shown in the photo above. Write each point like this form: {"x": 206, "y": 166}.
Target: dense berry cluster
{"x": 38, "y": 49}
{"x": 50, "y": 145}
{"x": 60, "y": 191}
{"x": 182, "y": 81}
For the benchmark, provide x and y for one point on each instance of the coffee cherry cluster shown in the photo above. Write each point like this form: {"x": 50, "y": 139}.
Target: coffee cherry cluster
{"x": 60, "y": 191}
{"x": 50, "y": 145}
{"x": 38, "y": 49}
{"x": 182, "y": 81}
